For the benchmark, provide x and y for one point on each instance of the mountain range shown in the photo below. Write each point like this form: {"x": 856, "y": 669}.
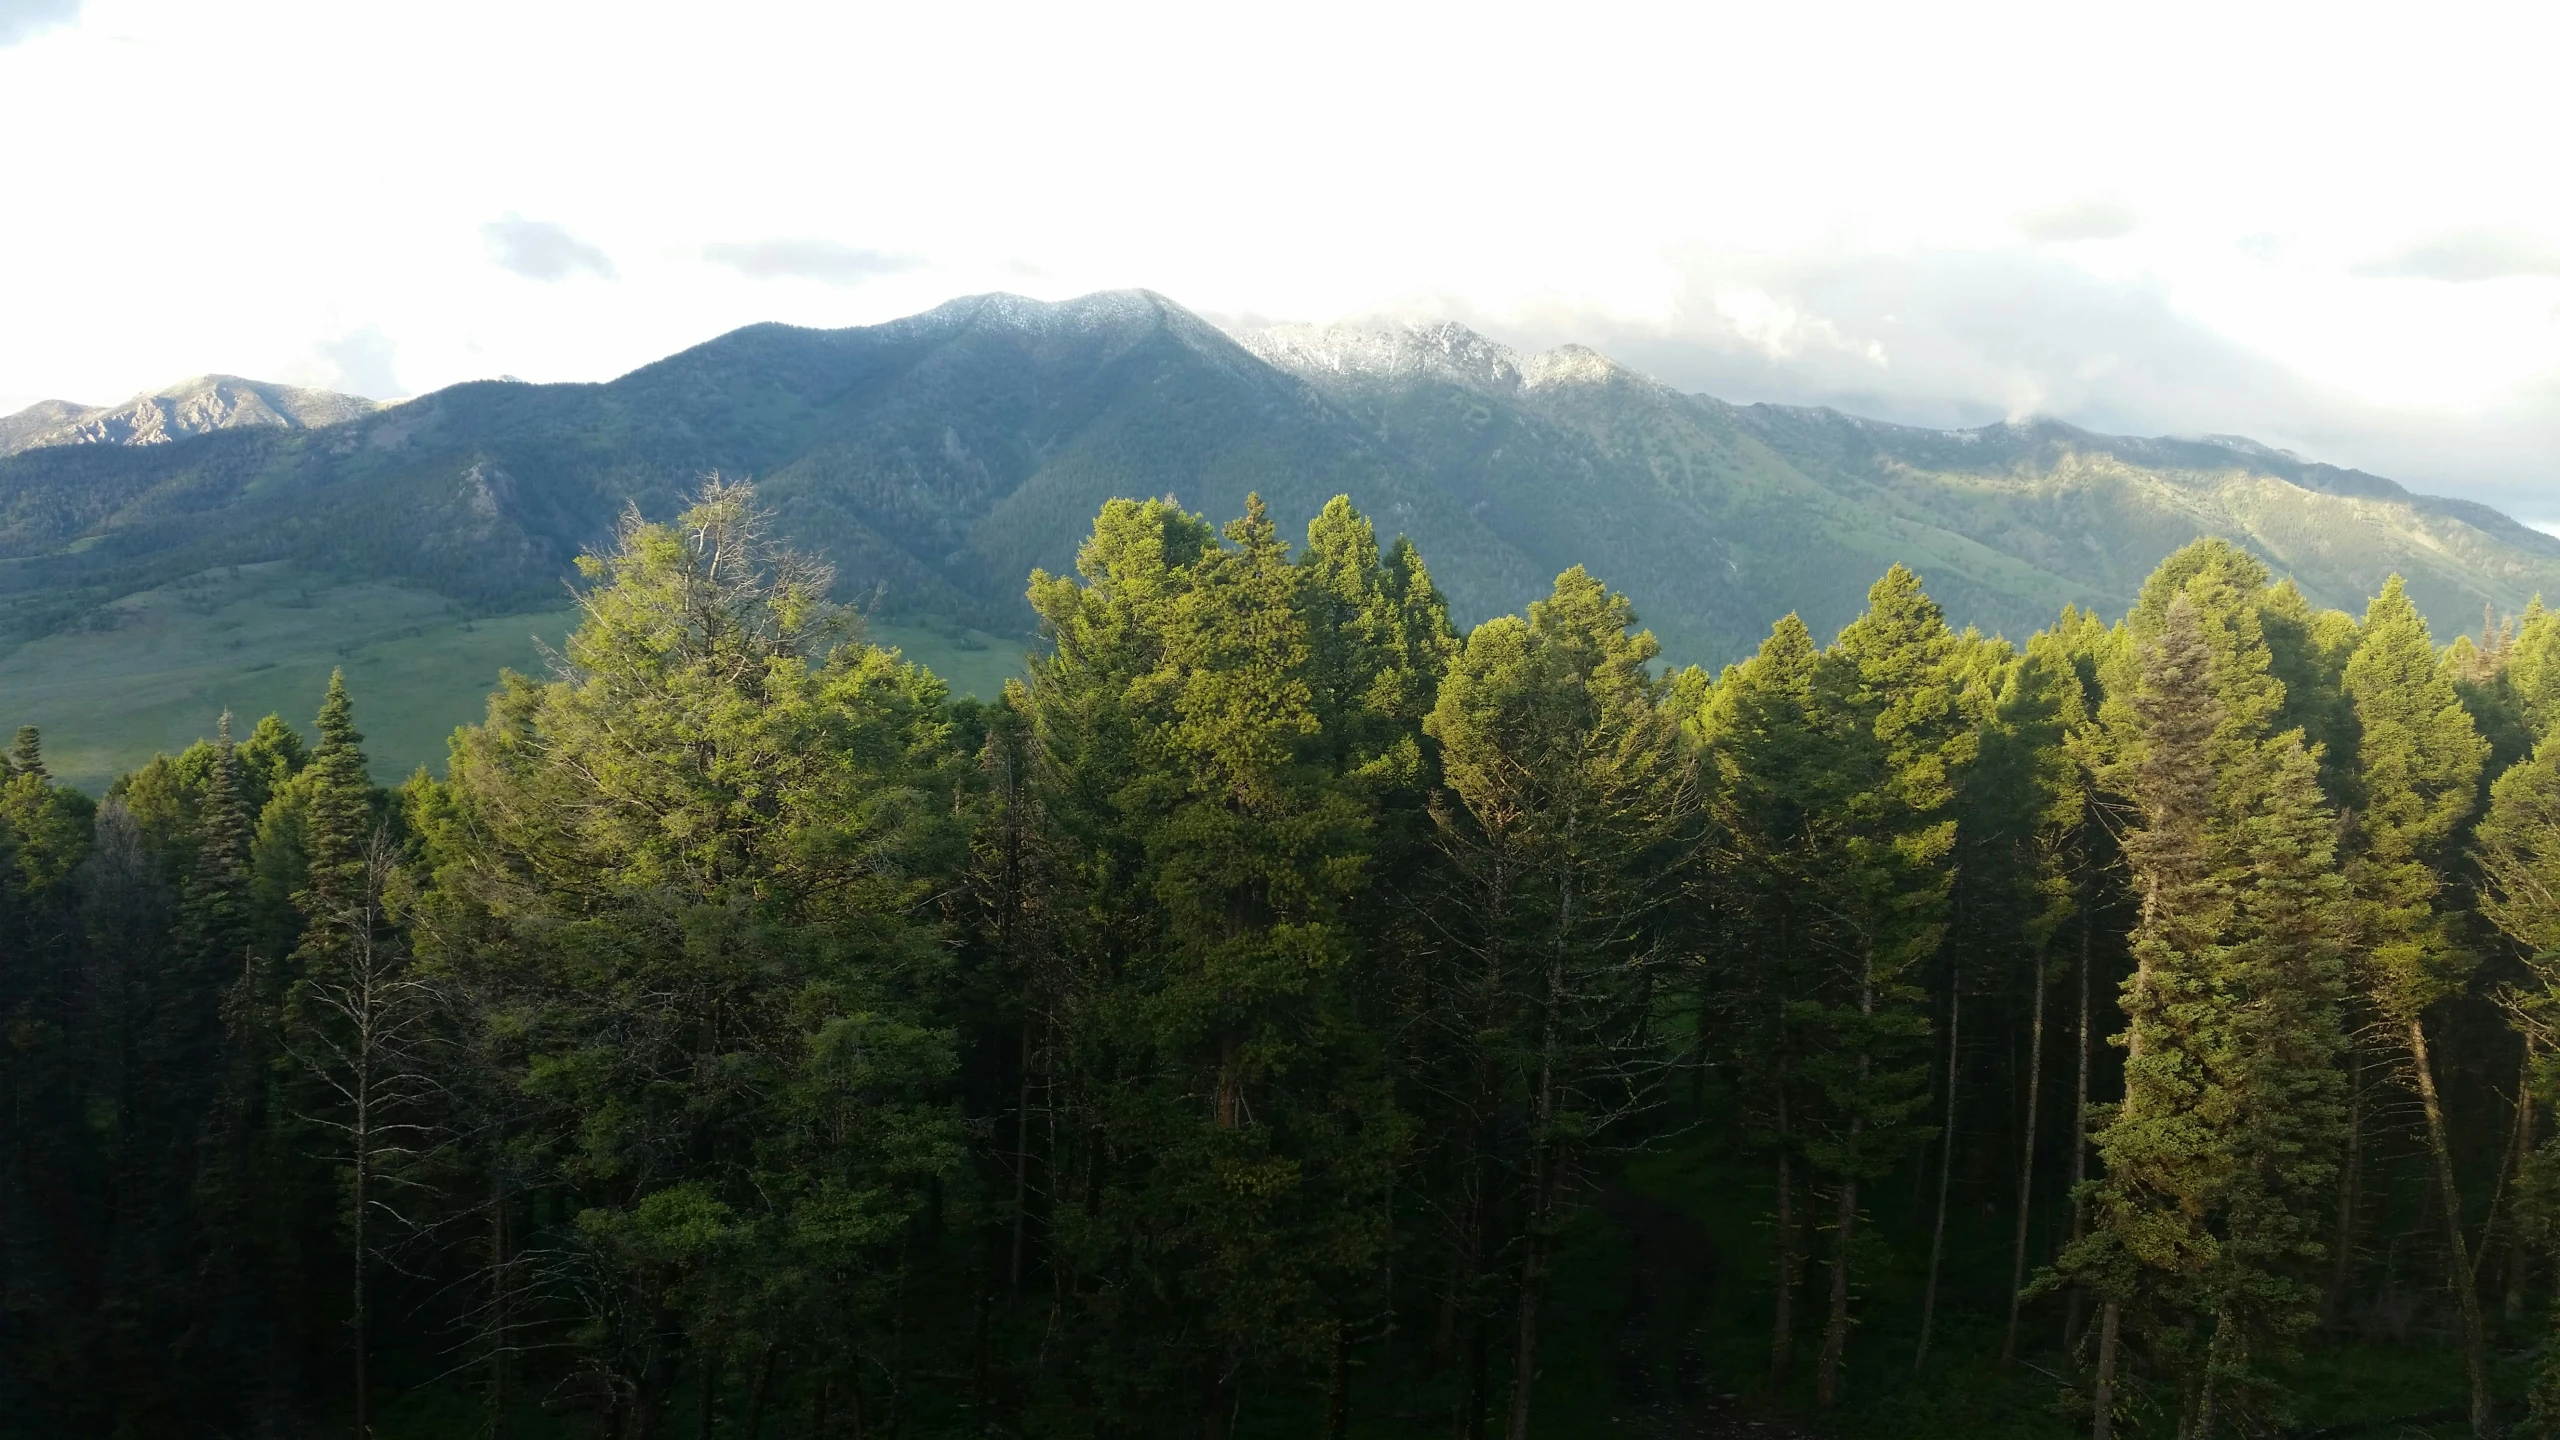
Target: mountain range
{"x": 191, "y": 407}
{"x": 937, "y": 459}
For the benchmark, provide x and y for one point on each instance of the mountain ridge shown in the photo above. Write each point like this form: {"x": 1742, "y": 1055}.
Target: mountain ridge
{"x": 939, "y": 457}
{"x": 198, "y": 405}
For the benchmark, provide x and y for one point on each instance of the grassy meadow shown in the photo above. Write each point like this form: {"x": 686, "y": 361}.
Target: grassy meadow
{"x": 154, "y": 670}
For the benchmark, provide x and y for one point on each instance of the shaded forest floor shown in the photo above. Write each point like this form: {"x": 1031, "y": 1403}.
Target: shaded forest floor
{"x": 1661, "y": 1315}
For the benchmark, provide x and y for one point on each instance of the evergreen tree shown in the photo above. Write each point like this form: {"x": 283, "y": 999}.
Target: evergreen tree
{"x": 338, "y": 824}
{"x": 2532, "y": 664}
{"x": 702, "y": 867}
{"x": 1570, "y": 804}
{"x": 2228, "y": 1130}
{"x": 1765, "y": 757}
{"x": 26, "y": 753}
{"x": 2518, "y": 854}
{"x": 55, "y": 1067}
{"x": 2030, "y": 803}
{"x": 1889, "y": 692}
{"x": 2418, "y": 773}
{"x": 1239, "y": 1118}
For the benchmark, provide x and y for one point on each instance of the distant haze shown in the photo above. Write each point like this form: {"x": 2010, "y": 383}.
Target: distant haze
{"x": 2320, "y": 227}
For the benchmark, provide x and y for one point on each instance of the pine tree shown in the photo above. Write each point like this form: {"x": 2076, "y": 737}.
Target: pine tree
{"x": 1218, "y": 775}
{"x": 2148, "y": 1244}
{"x": 1765, "y": 756}
{"x": 338, "y": 821}
{"x": 2419, "y": 761}
{"x": 2033, "y": 798}
{"x": 702, "y": 869}
{"x": 2227, "y": 1133}
{"x": 2518, "y": 854}
{"x": 2533, "y": 668}
{"x": 1889, "y": 693}
{"x": 1570, "y": 806}
{"x": 26, "y": 754}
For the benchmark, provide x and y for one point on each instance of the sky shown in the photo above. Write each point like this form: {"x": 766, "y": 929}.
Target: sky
{"x": 2331, "y": 227}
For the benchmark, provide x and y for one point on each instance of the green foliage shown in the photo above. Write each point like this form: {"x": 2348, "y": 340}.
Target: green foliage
{"x": 699, "y": 870}
{"x": 1278, "y": 1013}
{"x": 2418, "y": 773}
{"x": 2208, "y": 1224}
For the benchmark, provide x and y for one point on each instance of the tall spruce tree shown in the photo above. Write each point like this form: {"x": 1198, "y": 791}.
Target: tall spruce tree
{"x": 2031, "y": 796}
{"x": 1570, "y": 800}
{"x": 1765, "y": 755}
{"x": 1888, "y": 691}
{"x": 2418, "y": 773}
{"x": 2226, "y": 1136}
{"x": 1219, "y": 772}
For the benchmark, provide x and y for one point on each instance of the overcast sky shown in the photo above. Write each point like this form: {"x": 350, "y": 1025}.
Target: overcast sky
{"x": 2333, "y": 227}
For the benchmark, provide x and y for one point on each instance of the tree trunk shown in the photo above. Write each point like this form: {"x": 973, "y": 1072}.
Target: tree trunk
{"x": 1782, "y": 1339}
{"x": 1544, "y": 1163}
{"x": 1021, "y": 1170}
{"x": 2079, "y": 1129}
{"x": 2026, "y": 1165}
{"x": 1337, "y": 1398}
{"x": 2213, "y": 1363}
{"x": 2103, "y": 1400}
{"x": 710, "y": 1396}
{"x": 2475, "y": 1343}
{"x": 1835, "y": 1332}
{"x": 1946, "y": 1173}
{"x": 1479, "y": 1379}
{"x": 356, "y": 1316}
{"x": 2519, "y": 1255}
{"x": 763, "y": 1387}
{"x": 2350, "y": 1193}
{"x": 498, "y": 1297}
{"x": 1525, "y": 1362}
{"x": 1213, "y": 1404}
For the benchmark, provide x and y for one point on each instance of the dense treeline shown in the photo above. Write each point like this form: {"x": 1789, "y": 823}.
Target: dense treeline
{"x": 1269, "y": 1015}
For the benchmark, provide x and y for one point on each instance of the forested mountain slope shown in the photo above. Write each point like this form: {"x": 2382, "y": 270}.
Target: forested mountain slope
{"x": 937, "y": 459}
{"x": 1726, "y": 516}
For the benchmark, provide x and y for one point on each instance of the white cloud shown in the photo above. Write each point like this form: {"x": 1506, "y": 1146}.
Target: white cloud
{"x": 826, "y": 261}
{"x": 1979, "y": 336}
{"x": 25, "y": 19}
{"x": 359, "y": 362}
{"x": 542, "y": 250}
{"x": 1861, "y": 168}
{"x": 2466, "y": 256}
{"x": 2080, "y": 220}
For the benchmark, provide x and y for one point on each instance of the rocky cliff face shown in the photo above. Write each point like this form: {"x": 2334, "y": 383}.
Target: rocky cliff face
{"x": 190, "y": 407}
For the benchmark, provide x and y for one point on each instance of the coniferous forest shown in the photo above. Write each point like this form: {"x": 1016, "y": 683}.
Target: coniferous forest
{"x": 1282, "y": 1014}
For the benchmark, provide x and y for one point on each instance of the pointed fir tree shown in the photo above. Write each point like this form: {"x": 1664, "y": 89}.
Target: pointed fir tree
{"x": 338, "y": 820}
{"x": 26, "y": 753}
{"x": 1569, "y": 812}
{"x": 2517, "y": 849}
{"x": 2220, "y": 1151}
{"x": 2418, "y": 773}
{"x": 1766, "y": 753}
{"x": 1890, "y": 692}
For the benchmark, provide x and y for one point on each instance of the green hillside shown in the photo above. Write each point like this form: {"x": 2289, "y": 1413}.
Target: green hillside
{"x": 155, "y": 669}
{"x": 937, "y": 459}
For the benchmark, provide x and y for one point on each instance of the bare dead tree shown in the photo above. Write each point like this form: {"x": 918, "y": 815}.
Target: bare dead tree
{"x": 364, "y": 1035}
